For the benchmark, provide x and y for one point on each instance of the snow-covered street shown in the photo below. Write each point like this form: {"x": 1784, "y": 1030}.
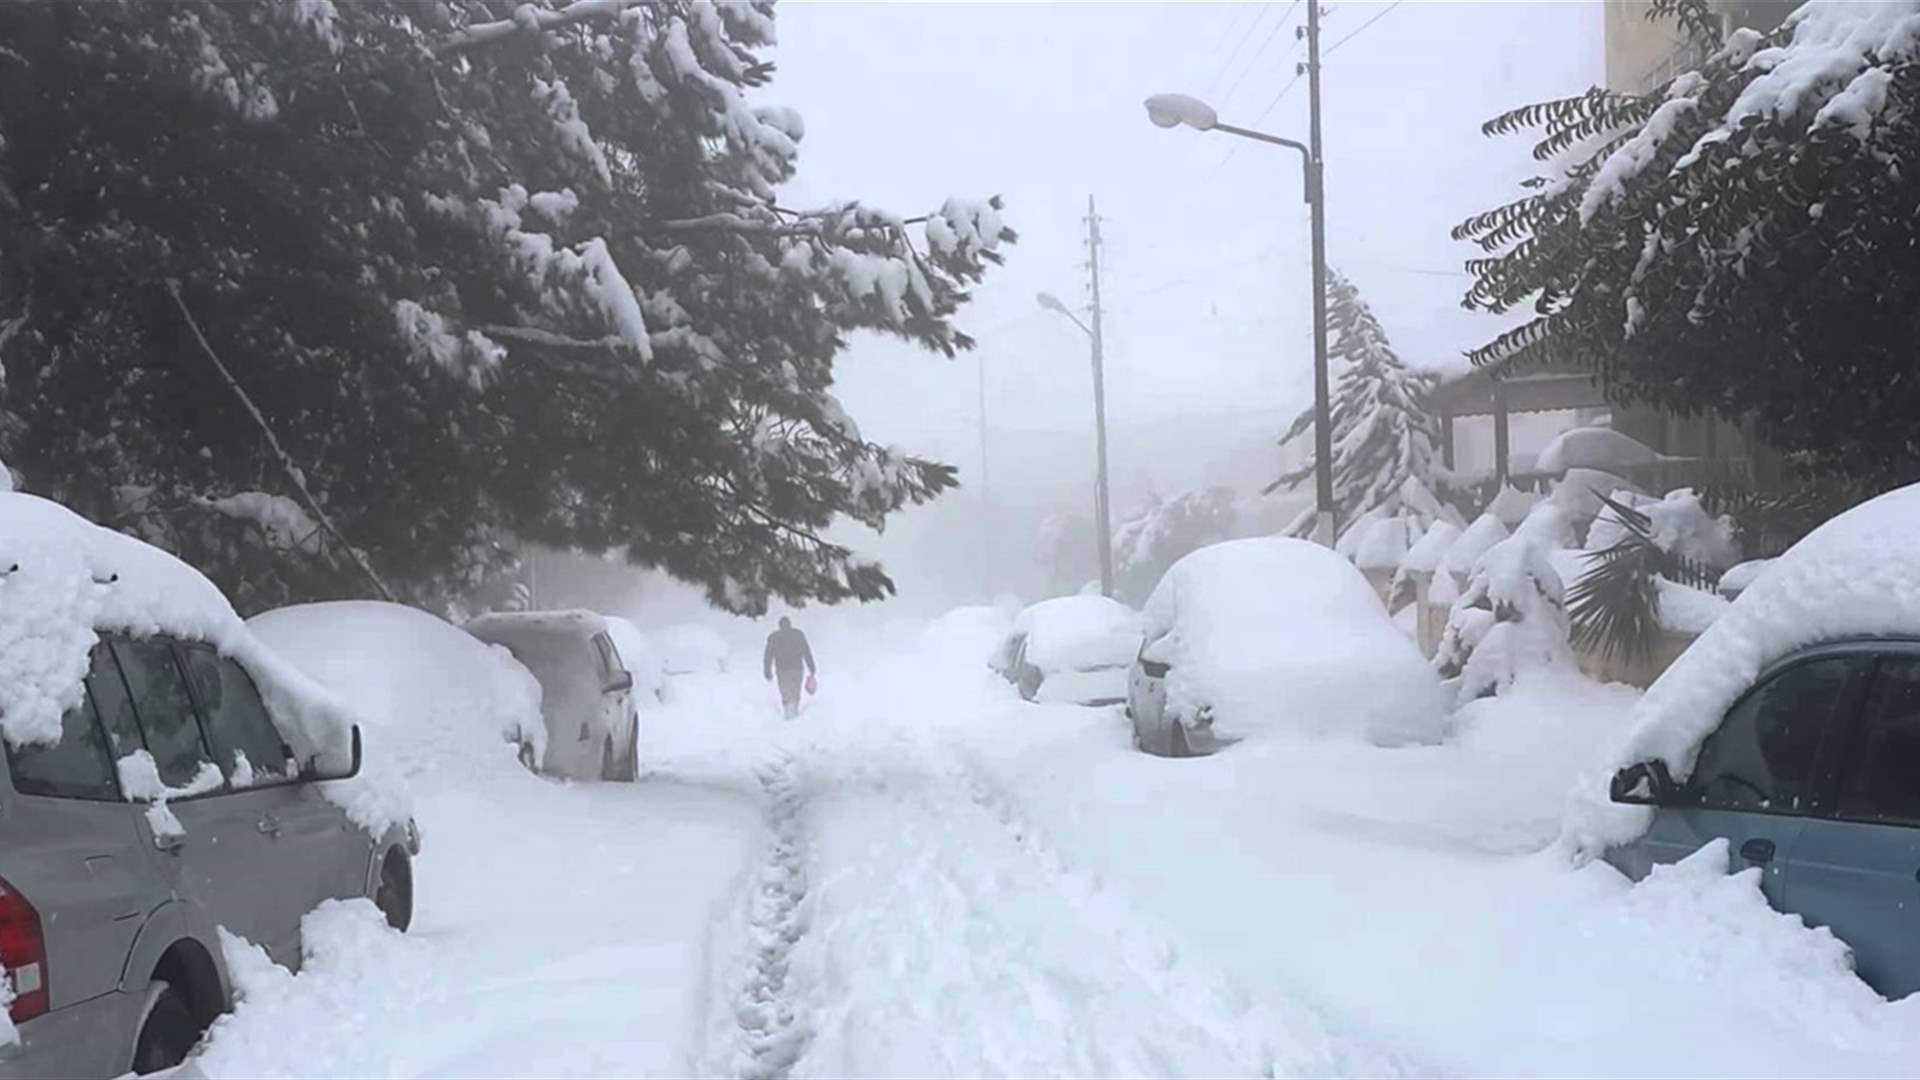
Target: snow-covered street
{"x": 925, "y": 876}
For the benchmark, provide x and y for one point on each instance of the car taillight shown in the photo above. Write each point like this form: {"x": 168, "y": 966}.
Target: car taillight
{"x": 23, "y": 953}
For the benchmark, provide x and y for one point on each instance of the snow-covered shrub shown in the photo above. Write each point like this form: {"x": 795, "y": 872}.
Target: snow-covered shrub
{"x": 1511, "y": 616}
{"x": 1644, "y": 557}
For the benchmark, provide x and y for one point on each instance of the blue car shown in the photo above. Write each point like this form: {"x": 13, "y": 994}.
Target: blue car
{"x": 1814, "y": 777}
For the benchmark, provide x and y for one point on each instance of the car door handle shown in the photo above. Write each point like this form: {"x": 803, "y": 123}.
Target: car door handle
{"x": 1757, "y": 850}
{"x": 268, "y": 824}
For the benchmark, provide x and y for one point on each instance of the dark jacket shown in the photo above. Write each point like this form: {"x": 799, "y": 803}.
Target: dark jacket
{"x": 787, "y": 650}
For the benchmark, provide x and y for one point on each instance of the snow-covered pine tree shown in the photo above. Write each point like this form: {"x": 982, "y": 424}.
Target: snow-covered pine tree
{"x": 492, "y": 272}
{"x": 1149, "y": 542}
{"x": 1738, "y": 241}
{"x": 1383, "y": 439}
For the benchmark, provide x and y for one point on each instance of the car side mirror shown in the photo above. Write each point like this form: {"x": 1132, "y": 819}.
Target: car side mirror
{"x": 622, "y": 681}
{"x": 315, "y": 772}
{"x": 1644, "y": 783}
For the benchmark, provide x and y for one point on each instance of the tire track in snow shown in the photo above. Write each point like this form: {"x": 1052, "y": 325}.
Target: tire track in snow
{"x": 1296, "y": 1040}
{"x": 769, "y": 1034}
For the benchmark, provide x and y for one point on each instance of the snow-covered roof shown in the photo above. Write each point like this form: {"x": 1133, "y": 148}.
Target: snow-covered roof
{"x": 507, "y": 623}
{"x": 1593, "y": 448}
{"x": 1856, "y": 575}
{"x": 65, "y": 580}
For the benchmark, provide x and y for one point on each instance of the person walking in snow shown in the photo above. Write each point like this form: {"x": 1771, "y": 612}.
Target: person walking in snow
{"x": 791, "y": 658}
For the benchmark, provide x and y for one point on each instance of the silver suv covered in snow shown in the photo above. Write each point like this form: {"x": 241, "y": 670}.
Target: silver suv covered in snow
{"x": 586, "y": 691}
{"x": 109, "y": 901}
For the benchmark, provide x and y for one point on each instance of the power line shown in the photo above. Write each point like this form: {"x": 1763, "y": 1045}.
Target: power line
{"x": 1259, "y": 13}
{"x": 1253, "y": 62}
{"x": 1358, "y": 30}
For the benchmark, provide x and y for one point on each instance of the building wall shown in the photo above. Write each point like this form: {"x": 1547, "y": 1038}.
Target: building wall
{"x": 1644, "y": 53}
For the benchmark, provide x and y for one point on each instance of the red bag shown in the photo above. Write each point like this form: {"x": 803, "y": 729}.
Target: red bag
{"x": 812, "y": 686}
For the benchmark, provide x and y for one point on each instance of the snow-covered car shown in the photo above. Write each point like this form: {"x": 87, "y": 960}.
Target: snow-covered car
{"x": 432, "y": 698}
{"x": 586, "y": 691}
{"x": 1789, "y": 734}
{"x": 168, "y": 781}
{"x": 1273, "y": 634}
{"x": 1070, "y": 650}
{"x": 637, "y": 651}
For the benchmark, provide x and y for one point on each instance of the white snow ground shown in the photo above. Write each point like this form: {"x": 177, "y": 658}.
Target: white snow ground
{"x": 924, "y": 876}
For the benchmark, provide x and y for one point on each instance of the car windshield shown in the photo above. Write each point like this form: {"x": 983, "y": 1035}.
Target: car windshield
{"x": 948, "y": 539}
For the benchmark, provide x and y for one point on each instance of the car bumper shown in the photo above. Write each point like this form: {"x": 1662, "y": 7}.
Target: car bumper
{"x": 92, "y": 1038}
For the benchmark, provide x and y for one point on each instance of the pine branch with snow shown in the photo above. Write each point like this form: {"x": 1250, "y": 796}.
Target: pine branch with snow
{"x": 493, "y": 277}
{"x": 1736, "y": 242}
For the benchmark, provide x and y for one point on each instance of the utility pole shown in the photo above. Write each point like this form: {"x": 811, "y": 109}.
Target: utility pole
{"x": 1324, "y": 525}
{"x": 986, "y": 503}
{"x": 1103, "y": 524}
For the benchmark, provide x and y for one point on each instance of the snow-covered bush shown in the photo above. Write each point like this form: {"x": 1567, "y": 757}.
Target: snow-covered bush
{"x": 1511, "y": 616}
{"x": 1646, "y": 559}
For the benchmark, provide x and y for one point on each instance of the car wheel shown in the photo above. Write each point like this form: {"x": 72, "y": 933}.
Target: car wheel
{"x": 609, "y": 764}
{"x": 394, "y": 897}
{"x": 1177, "y": 741}
{"x": 168, "y": 1035}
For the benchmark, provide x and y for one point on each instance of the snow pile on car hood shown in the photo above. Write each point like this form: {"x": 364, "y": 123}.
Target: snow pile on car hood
{"x": 1283, "y": 634}
{"x": 64, "y": 580}
{"x": 1079, "y": 633}
{"x": 432, "y": 694}
{"x": 1857, "y": 575}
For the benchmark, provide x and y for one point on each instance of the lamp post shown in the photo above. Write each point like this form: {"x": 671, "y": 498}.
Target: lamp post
{"x": 1103, "y": 524}
{"x": 1177, "y": 110}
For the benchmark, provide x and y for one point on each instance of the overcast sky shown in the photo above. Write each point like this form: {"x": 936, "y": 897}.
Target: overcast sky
{"x": 1206, "y": 260}
{"x": 1206, "y": 278}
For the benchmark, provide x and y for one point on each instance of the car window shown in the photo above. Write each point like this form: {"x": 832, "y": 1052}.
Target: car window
{"x": 247, "y": 746}
{"x": 1882, "y": 777}
{"x": 163, "y": 708}
{"x": 609, "y": 657}
{"x": 76, "y": 767}
{"x": 1764, "y": 754}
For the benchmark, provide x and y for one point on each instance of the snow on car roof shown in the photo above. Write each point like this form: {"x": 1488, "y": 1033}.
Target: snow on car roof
{"x": 1858, "y": 575}
{"x": 65, "y": 580}
{"x": 1070, "y": 632}
{"x": 568, "y": 621}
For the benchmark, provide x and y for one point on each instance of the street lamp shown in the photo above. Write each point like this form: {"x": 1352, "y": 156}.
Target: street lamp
{"x": 1103, "y": 523}
{"x": 1178, "y": 110}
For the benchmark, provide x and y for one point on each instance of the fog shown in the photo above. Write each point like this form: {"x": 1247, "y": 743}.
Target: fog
{"x": 1205, "y": 268}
